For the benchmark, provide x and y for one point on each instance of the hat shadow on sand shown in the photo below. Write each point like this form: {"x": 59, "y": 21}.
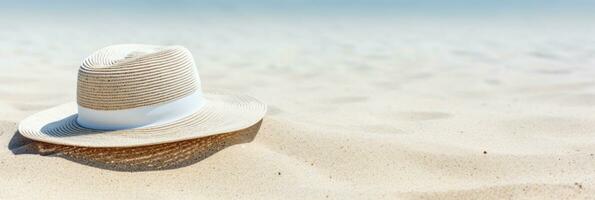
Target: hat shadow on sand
{"x": 145, "y": 158}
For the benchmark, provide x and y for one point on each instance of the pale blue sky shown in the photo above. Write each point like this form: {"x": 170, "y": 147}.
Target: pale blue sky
{"x": 340, "y": 7}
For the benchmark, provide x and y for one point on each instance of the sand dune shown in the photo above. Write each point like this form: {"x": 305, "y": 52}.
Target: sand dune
{"x": 357, "y": 110}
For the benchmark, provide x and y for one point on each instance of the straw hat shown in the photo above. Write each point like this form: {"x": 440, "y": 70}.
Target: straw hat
{"x": 136, "y": 95}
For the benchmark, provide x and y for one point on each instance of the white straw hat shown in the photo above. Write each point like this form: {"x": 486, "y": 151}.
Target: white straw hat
{"x": 136, "y": 95}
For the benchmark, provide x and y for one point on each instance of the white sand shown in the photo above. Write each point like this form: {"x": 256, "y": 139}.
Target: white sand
{"x": 357, "y": 109}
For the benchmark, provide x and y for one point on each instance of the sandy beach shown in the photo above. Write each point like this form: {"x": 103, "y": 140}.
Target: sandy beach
{"x": 358, "y": 108}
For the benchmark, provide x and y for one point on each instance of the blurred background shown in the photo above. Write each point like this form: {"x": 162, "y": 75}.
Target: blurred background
{"x": 249, "y": 46}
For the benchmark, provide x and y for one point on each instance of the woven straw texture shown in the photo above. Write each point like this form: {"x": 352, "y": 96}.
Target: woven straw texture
{"x": 222, "y": 113}
{"x": 129, "y": 76}
{"x": 146, "y": 158}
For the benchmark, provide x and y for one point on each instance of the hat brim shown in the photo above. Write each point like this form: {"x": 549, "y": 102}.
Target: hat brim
{"x": 222, "y": 113}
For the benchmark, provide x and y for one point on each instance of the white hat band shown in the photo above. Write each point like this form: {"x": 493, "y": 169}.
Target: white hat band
{"x": 134, "y": 95}
{"x": 145, "y": 116}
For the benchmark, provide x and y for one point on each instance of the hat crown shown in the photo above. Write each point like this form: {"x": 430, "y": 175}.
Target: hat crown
{"x": 130, "y": 76}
